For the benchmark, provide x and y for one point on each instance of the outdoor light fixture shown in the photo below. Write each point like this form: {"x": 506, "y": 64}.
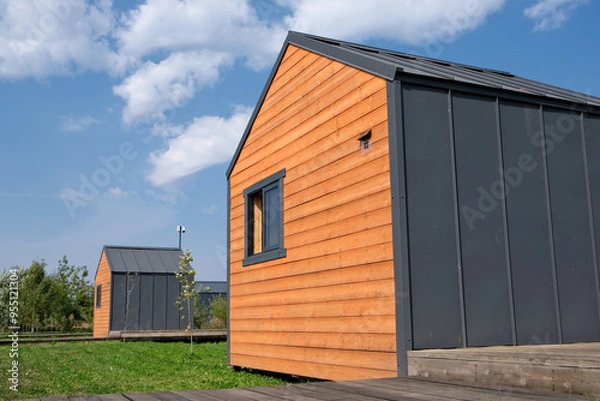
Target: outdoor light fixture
{"x": 180, "y": 230}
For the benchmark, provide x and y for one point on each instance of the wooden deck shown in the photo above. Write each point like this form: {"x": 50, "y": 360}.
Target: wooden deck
{"x": 566, "y": 368}
{"x": 200, "y": 335}
{"x": 396, "y": 389}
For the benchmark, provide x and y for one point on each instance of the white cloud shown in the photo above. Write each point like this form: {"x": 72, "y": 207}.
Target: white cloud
{"x": 156, "y": 88}
{"x": 236, "y": 29}
{"x": 417, "y": 23}
{"x": 72, "y": 124}
{"x": 551, "y": 14}
{"x": 40, "y": 38}
{"x": 230, "y": 26}
{"x": 206, "y": 141}
{"x": 169, "y": 50}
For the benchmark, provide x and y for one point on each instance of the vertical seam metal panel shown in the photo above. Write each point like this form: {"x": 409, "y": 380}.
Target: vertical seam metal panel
{"x": 110, "y": 297}
{"x": 588, "y": 190}
{"x": 509, "y": 278}
{"x": 227, "y": 258}
{"x": 459, "y": 271}
{"x": 550, "y": 226}
{"x": 399, "y": 226}
{"x": 153, "y": 300}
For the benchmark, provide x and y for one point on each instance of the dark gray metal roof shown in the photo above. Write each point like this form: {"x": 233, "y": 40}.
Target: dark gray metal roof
{"x": 387, "y": 63}
{"x": 215, "y": 287}
{"x": 393, "y": 65}
{"x": 125, "y": 259}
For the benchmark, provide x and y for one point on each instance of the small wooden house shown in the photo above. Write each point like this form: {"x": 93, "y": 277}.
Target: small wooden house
{"x": 136, "y": 289}
{"x": 381, "y": 202}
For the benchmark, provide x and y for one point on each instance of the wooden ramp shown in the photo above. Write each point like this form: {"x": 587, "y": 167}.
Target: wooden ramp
{"x": 567, "y": 368}
{"x": 397, "y": 389}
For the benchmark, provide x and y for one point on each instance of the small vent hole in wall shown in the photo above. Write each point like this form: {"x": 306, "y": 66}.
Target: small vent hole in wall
{"x": 365, "y": 142}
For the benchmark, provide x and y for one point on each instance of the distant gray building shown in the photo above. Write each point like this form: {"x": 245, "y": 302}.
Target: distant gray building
{"x": 208, "y": 290}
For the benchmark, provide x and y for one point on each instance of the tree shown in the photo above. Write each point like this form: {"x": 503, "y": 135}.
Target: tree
{"x": 32, "y": 294}
{"x": 187, "y": 292}
{"x": 72, "y": 299}
{"x": 57, "y": 301}
{"x": 73, "y": 279}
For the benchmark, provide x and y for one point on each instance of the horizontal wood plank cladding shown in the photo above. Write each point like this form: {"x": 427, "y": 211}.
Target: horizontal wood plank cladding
{"x": 101, "y": 315}
{"x": 355, "y": 257}
{"x": 365, "y": 291}
{"x": 376, "y": 360}
{"x": 351, "y": 307}
{"x": 327, "y": 309}
{"x": 319, "y": 369}
{"x": 345, "y": 211}
{"x": 316, "y": 325}
{"x": 326, "y": 196}
{"x": 284, "y": 119}
{"x": 375, "y": 342}
{"x": 313, "y": 71}
{"x": 324, "y": 278}
{"x": 337, "y": 245}
{"x": 334, "y": 155}
{"x": 319, "y": 133}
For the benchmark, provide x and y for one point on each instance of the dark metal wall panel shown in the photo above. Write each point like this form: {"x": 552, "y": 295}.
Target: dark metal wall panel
{"x": 592, "y": 138}
{"x": 117, "y": 304}
{"x": 486, "y": 292}
{"x": 146, "y": 301}
{"x": 431, "y": 219}
{"x": 528, "y": 225}
{"x": 160, "y": 302}
{"x": 172, "y": 309}
{"x": 571, "y": 226}
{"x": 132, "y": 302}
{"x": 402, "y": 289}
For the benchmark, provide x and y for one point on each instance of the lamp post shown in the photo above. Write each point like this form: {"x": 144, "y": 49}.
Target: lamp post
{"x": 180, "y": 230}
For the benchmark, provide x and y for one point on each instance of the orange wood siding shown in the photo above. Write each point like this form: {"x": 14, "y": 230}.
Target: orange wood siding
{"x": 327, "y": 309}
{"x": 101, "y": 315}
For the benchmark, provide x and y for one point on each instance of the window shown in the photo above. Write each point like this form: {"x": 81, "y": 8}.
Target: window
{"x": 264, "y": 220}
{"x": 98, "y": 295}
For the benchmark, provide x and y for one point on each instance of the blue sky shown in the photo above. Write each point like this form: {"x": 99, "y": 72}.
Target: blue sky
{"x": 119, "y": 119}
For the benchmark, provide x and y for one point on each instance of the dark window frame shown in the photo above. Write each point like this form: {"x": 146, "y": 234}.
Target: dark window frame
{"x": 270, "y": 251}
{"x": 99, "y": 296}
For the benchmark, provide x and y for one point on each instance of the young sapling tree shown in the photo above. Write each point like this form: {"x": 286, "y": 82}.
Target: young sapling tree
{"x": 188, "y": 292}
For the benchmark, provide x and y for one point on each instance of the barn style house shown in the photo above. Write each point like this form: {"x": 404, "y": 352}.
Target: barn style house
{"x": 381, "y": 202}
{"x": 136, "y": 289}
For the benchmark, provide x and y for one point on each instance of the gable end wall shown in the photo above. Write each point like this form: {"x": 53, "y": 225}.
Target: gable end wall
{"x": 327, "y": 309}
{"x": 101, "y": 315}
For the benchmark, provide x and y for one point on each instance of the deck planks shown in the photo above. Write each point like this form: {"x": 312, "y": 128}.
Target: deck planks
{"x": 392, "y": 389}
{"x": 562, "y": 368}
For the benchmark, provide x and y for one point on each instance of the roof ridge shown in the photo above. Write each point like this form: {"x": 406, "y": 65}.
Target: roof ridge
{"x": 145, "y": 248}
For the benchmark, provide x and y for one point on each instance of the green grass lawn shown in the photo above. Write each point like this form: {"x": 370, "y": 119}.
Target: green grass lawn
{"x": 77, "y": 368}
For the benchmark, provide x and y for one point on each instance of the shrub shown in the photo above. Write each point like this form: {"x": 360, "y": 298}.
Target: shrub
{"x": 218, "y": 309}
